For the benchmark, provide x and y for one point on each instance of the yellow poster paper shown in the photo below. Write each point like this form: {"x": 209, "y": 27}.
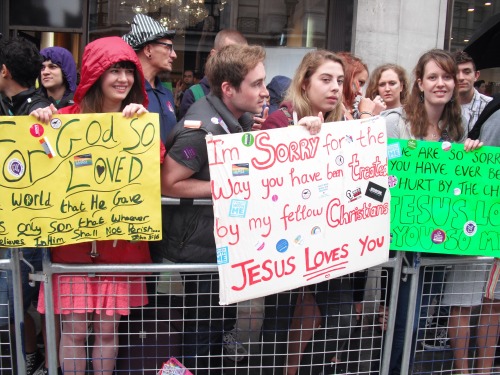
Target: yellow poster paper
{"x": 79, "y": 178}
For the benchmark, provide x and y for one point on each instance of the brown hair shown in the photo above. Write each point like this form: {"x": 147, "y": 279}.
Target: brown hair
{"x": 462, "y": 57}
{"x": 415, "y": 108}
{"x": 372, "y": 89}
{"x": 93, "y": 100}
{"x": 298, "y": 96}
{"x": 231, "y": 64}
{"x": 352, "y": 66}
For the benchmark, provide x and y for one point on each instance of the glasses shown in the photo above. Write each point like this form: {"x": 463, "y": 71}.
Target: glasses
{"x": 169, "y": 46}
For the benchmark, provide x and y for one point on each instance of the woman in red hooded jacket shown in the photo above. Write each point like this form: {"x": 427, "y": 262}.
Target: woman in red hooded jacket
{"x": 111, "y": 81}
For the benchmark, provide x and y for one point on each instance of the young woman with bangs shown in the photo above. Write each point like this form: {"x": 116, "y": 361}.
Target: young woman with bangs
{"x": 111, "y": 81}
{"x": 314, "y": 97}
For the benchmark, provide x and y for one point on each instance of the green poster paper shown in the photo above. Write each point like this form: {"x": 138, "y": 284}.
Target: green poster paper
{"x": 444, "y": 200}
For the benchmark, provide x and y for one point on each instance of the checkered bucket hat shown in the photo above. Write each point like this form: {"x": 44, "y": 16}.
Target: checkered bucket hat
{"x": 146, "y": 30}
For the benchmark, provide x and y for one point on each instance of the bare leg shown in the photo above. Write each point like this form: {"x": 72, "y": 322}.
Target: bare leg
{"x": 306, "y": 319}
{"x": 29, "y": 334}
{"x": 106, "y": 343}
{"x": 488, "y": 332}
{"x": 459, "y": 334}
{"x": 72, "y": 353}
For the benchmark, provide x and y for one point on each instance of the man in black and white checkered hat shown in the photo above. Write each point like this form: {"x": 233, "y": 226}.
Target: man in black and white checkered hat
{"x": 154, "y": 46}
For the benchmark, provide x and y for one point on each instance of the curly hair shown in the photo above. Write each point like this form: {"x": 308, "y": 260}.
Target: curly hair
{"x": 298, "y": 96}
{"x": 416, "y": 114}
{"x": 372, "y": 89}
{"x": 22, "y": 59}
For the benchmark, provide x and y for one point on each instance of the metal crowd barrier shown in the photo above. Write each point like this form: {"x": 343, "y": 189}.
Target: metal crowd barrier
{"x": 434, "y": 289}
{"x": 417, "y": 356}
{"x": 169, "y": 308}
{"x": 13, "y": 342}
{"x": 163, "y": 320}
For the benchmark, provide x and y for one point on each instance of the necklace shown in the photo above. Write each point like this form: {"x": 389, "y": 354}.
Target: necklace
{"x": 433, "y": 132}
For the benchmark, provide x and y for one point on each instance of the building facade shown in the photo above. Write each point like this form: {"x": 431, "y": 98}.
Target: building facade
{"x": 378, "y": 31}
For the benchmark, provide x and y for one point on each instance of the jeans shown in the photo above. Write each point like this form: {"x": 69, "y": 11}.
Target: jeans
{"x": 33, "y": 256}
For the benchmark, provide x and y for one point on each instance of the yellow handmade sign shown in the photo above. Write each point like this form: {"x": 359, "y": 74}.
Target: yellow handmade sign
{"x": 79, "y": 178}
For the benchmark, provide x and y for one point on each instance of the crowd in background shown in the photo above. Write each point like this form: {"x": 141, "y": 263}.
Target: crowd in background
{"x": 443, "y": 102}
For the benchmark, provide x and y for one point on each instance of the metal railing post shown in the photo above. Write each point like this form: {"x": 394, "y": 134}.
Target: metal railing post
{"x": 17, "y": 289}
{"x": 391, "y": 321}
{"x": 414, "y": 272}
{"x": 50, "y": 322}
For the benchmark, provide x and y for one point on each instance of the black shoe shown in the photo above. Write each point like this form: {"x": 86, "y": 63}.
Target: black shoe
{"x": 34, "y": 362}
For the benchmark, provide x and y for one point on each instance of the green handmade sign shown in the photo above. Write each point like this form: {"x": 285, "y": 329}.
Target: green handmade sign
{"x": 444, "y": 200}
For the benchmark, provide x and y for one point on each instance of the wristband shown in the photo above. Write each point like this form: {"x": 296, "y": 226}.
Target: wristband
{"x": 365, "y": 113}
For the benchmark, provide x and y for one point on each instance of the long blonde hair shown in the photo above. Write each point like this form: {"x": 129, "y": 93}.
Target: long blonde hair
{"x": 296, "y": 93}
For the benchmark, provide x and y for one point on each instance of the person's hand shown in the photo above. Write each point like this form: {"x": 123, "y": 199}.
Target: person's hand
{"x": 258, "y": 120}
{"x": 312, "y": 123}
{"x": 133, "y": 109}
{"x": 347, "y": 113}
{"x": 380, "y": 105}
{"x": 383, "y": 315}
{"x": 180, "y": 87}
{"x": 374, "y": 107}
{"x": 472, "y": 144}
{"x": 44, "y": 115}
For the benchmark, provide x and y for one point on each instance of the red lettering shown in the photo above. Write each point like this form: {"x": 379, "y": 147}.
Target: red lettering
{"x": 271, "y": 269}
{"x": 294, "y": 151}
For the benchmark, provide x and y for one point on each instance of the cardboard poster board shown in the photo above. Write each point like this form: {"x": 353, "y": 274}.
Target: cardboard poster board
{"x": 444, "y": 200}
{"x": 79, "y": 178}
{"x": 293, "y": 209}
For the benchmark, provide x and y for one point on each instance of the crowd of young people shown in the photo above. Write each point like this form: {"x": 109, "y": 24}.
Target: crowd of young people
{"x": 121, "y": 75}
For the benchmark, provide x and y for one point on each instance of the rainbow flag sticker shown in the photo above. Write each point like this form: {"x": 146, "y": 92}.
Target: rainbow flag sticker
{"x": 82, "y": 160}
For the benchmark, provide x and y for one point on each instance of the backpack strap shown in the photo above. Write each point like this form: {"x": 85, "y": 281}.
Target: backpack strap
{"x": 490, "y": 108}
{"x": 198, "y": 92}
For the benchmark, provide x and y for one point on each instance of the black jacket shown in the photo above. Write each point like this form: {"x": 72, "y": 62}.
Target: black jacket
{"x": 23, "y": 103}
{"x": 188, "y": 230}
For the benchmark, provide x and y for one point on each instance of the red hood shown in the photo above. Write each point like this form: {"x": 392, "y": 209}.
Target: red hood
{"x": 101, "y": 54}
